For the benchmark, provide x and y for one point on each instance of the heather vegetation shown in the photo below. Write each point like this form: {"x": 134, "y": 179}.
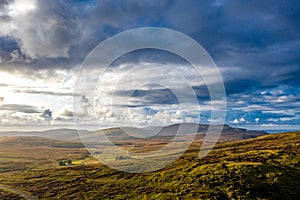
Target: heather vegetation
{"x": 5, "y": 194}
{"x": 267, "y": 167}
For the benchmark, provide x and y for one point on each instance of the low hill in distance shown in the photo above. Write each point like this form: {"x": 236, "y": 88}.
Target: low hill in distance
{"x": 116, "y": 134}
{"x": 228, "y": 133}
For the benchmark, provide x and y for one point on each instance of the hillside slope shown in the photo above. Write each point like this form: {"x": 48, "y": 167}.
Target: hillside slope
{"x": 267, "y": 167}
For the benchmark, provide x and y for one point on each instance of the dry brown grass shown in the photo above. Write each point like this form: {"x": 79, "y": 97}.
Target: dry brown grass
{"x": 20, "y": 153}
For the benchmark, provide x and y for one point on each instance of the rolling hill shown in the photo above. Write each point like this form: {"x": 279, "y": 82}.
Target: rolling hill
{"x": 266, "y": 167}
{"x": 228, "y": 133}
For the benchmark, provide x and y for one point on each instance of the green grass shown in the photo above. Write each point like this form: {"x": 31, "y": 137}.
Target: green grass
{"x": 267, "y": 167}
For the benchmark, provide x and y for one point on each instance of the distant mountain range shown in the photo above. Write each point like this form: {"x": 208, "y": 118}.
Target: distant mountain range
{"x": 228, "y": 133}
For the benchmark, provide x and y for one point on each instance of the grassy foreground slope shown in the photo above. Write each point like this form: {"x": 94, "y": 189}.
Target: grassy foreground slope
{"x": 267, "y": 167}
{"x": 4, "y": 194}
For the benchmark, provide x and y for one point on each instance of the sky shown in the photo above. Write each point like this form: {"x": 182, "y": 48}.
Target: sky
{"x": 255, "y": 45}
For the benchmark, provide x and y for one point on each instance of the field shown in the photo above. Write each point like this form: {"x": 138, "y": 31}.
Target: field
{"x": 25, "y": 153}
{"x": 267, "y": 167}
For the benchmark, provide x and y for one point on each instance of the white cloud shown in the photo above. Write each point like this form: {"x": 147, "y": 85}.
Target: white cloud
{"x": 242, "y": 119}
{"x": 42, "y": 28}
{"x": 235, "y": 121}
{"x": 288, "y": 118}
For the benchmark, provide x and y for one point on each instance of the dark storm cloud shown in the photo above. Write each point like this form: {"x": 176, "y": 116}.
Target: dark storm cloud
{"x": 162, "y": 96}
{"x": 4, "y": 3}
{"x": 242, "y": 37}
{"x": 149, "y": 56}
{"x": 140, "y": 98}
{"x": 253, "y": 41}
{"x": 59, "y": 34}
{"x": 255, "y": 44}
{"x": 252, "y": 24}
